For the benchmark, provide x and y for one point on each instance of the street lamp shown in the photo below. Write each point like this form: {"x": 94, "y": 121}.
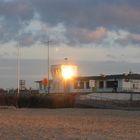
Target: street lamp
{"x": 18, "y": 69}
{"x": 48, "y": 65}
{"x": 18, "y": 74}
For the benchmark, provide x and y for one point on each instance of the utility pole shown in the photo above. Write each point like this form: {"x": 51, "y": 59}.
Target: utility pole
{"x": 48, "y": 64}
{"x": 18, "y": 70}
{"x": 18, "y": 73}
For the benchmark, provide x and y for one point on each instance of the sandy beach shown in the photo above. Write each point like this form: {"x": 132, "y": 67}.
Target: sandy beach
{"x": 69, "y": 124}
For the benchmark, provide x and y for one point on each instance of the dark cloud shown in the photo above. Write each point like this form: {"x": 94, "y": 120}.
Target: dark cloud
{"x": 14, "y": 15}
{"x": 78, "y": 17}
{"x": 18, "y": 9}
{"x": 80, "y": 35}
{"x": 89, "y": 14}
{"x": 8, "y": 29}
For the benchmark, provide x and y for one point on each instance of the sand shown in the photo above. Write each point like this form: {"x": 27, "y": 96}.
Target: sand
{"x": 69, "y": 124}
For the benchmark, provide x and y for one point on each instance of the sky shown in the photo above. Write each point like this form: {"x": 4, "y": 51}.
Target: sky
{"x": 100, "y": 36}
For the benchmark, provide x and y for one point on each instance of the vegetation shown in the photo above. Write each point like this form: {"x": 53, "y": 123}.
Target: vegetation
{"x": 39, "y": 100}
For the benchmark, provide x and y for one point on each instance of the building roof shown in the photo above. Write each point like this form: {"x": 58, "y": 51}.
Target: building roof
{"x": 116, "y": 76}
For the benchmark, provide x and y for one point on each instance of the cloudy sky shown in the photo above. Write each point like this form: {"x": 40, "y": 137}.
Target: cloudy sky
{"x": 100, "y": 36}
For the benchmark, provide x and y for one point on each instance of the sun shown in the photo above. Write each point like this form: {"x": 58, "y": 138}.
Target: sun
{"x": 68, "y": 71}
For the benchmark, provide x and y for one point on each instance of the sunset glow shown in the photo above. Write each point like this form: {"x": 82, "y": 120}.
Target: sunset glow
{"x": 68, "y": 71}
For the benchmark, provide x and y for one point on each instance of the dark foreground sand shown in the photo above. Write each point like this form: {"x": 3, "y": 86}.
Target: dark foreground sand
{"x": 69, "y": 124}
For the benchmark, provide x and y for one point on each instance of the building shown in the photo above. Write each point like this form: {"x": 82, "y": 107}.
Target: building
{"x": 108, "y": 83}
{"x": 62, "y": 83}
{"x": 62, "y": 78}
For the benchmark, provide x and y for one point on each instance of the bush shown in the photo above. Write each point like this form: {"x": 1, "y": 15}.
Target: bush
{"x": 8, "y": 100}
{"x": 39, "y": 100}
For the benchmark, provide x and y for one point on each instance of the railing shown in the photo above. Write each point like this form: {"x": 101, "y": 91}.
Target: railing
{"x": 107, "y": 102}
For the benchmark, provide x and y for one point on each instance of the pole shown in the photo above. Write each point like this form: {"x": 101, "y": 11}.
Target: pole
{"x": 48, "y": 66}
{"x": 18, "y": 70}
{"x": 48, "y": 63}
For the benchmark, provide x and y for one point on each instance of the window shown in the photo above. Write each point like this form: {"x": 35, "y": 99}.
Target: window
{"x": 87, "y": 85}
{"x": 40, "y": 86}
{"x": 101, "y": 84}
{"x": 79, "y": 85}
{"x": 111, "y": 84}
{"x": 135, "y": 86}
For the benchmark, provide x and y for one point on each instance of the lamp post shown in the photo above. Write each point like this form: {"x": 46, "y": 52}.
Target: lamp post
{"x": 18, "y": 73}
{"x": 48, "y": 66}
{"x": 48, "y": 63}
{"x": 18, "y": 69}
